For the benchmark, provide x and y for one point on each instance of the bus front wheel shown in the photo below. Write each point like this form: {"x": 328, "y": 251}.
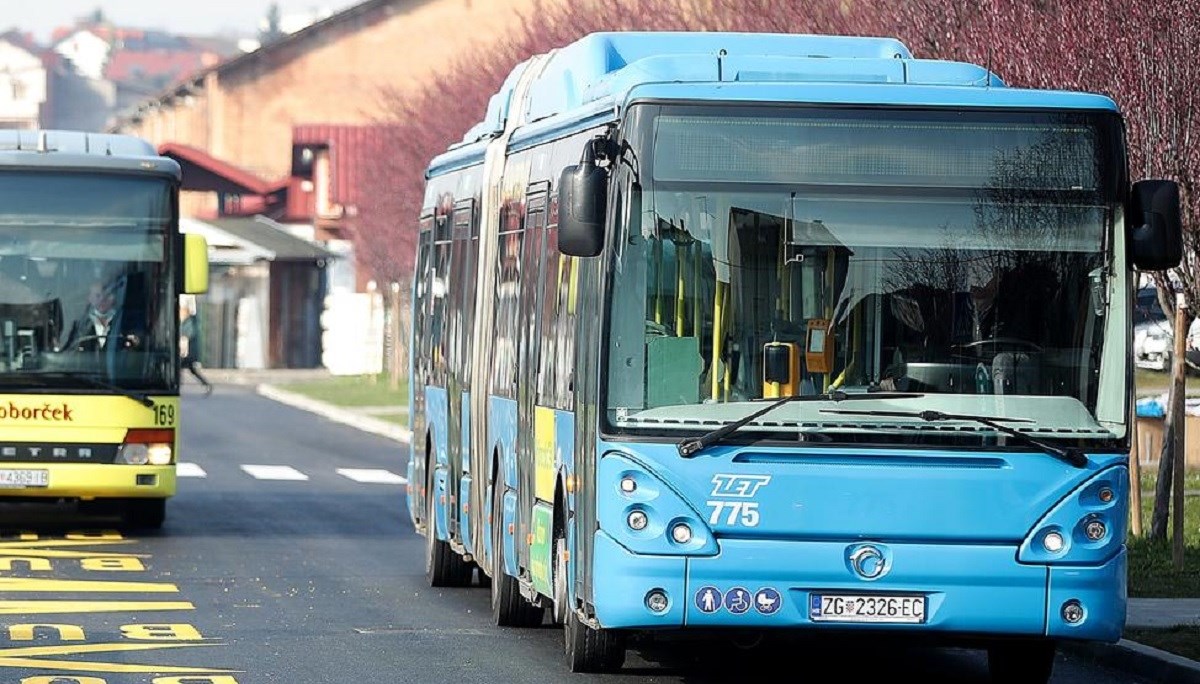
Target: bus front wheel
{"x": 592, "y": 650}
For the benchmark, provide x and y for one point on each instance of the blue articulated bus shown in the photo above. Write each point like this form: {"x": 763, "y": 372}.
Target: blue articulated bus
{"x": 770, "y": 333}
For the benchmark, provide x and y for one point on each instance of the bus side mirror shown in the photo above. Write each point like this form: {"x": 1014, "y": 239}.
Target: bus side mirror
{"x": 582, "y": 194}
{"x": 1155, "y": 228}
{"x": 195, "y": 264}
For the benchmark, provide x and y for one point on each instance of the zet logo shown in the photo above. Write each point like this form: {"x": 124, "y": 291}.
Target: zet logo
{"x": 738, "y": 486}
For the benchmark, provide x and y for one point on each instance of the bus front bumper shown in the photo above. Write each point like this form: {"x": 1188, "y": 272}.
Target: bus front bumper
{"x": 763, "y": 584}
{"x": 87, "y": 481}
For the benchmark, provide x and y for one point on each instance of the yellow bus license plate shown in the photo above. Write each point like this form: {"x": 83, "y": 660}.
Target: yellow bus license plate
{"x": 24, "y": 478}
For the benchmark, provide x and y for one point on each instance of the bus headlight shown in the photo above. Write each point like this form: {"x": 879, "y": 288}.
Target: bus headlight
{"x": 637, "y": 520}
{"x": 1053, "y": 542}
{"x": 143, "y": 446}
{"x": 646, "y": 513}
{"x": 133, "y": 454}
{"x": 159, "y": 454}
{"x": 681, "y": 533}
{"x": 1086, "y": 527}
{"x": 155, "y": 453}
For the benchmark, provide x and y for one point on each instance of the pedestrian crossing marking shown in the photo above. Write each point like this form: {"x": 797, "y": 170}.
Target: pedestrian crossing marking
{"x": 189, "y": 470}
{"x": 283, "y": 472}
{"x": 371, "y": 475}
{"x": 274, "y": 472}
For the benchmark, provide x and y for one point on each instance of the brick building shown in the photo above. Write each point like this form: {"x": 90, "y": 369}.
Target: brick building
{"x": 275, "y": 132}
{"x": 244, "y": 110}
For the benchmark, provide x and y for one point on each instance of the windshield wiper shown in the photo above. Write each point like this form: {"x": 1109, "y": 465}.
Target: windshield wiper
{"x": 94, "y": 381}
{"x": 689, "y": 447}
{"x": 1071, "y": 455}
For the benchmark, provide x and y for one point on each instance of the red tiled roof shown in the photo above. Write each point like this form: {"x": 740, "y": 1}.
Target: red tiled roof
{"x": 349, "y": 148}
{"x": 214, "y": 174}
{"x": 129, "y": 65}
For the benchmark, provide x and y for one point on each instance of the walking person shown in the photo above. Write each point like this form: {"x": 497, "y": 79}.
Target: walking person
{"x": 189, "y": 344}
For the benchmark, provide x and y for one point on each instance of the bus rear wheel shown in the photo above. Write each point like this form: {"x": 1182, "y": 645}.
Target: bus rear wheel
{"x": 443, "y": 567}
{"x": 509, "y": 607}
{"x": 145, "y": 514}
{"x": 1021, "y": 661}
{"x": 592, "y": 650}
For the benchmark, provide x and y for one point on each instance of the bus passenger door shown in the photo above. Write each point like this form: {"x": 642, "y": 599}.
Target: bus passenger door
{"x": 531, "y": 295}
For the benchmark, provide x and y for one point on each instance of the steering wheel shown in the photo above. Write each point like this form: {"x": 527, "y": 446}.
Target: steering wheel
{"x": 1014, "y": 341}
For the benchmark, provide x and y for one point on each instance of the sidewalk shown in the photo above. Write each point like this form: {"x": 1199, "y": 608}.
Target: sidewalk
{"x": 1125, "y": 655}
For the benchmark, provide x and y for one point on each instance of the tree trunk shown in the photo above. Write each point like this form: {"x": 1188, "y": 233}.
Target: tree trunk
{"x": 1162, "y": 488}
{"x": 1173, "y": 444}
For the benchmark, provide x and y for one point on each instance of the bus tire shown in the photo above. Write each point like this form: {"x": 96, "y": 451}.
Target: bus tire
{"x": 443, "y": 567}
{"x": 146, "y": 514}
{"x": 592, "y": 650}
{"x": 1025, "y": 661}
{"x": 509, "y": 607}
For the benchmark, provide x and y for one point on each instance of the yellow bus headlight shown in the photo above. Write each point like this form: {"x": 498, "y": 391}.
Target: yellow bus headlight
{"x": 143, "y": 446}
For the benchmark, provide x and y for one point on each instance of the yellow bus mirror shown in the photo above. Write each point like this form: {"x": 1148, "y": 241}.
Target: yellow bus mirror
{"x": 195, "y": 264}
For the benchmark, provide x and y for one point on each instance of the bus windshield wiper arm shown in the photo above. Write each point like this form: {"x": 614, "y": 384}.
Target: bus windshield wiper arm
{"x": 1071, "y": 455}
{"x": 690, "y": 447}
{"x": 94, "y": 381}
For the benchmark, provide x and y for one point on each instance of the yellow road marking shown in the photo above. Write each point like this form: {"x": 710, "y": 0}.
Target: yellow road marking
{"x": 42, "y": 607}
{"x": 50, "y": 548}
{"x": 39, "y": 584}
{"x": 21, "y": 657}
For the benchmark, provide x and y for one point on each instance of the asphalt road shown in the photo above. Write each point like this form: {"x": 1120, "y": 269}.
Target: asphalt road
{"x": 288, "y": 556}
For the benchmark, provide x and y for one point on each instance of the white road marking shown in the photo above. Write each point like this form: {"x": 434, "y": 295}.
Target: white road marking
{"x": 371, "y": 475}
{"x": 189, "y": 470}
{"x": 274, "y": 472}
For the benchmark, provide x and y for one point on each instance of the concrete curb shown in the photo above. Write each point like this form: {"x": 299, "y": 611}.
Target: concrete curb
{"x": 336, "y": 414}
{"x": 1147, "y": 663}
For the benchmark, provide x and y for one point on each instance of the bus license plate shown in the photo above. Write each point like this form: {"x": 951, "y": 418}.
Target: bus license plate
{"x": 24, "y": 478}
{"x": 866, "y": 608}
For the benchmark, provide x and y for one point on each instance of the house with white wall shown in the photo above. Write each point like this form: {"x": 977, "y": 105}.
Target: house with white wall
{"x": 87, "y": 51}
{"x": 23, "y": 88}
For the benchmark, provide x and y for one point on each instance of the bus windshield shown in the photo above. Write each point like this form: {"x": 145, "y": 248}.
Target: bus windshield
{"x": 768, "y": 253}
{"x": 85, "y": 292}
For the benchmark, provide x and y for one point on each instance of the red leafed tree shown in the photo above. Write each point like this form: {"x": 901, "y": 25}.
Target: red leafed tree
{"x": 1142, "y": 54}
{"x": 422, "y": 122}
{"x": 1156, "y": 69}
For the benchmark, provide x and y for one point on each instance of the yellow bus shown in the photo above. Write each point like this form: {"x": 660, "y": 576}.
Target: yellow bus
{"x": 92, "y": 263}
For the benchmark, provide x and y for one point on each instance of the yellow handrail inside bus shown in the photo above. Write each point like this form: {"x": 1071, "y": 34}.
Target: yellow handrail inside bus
{"x": 680, "y": 302}
{"x": 716, "y": 339}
